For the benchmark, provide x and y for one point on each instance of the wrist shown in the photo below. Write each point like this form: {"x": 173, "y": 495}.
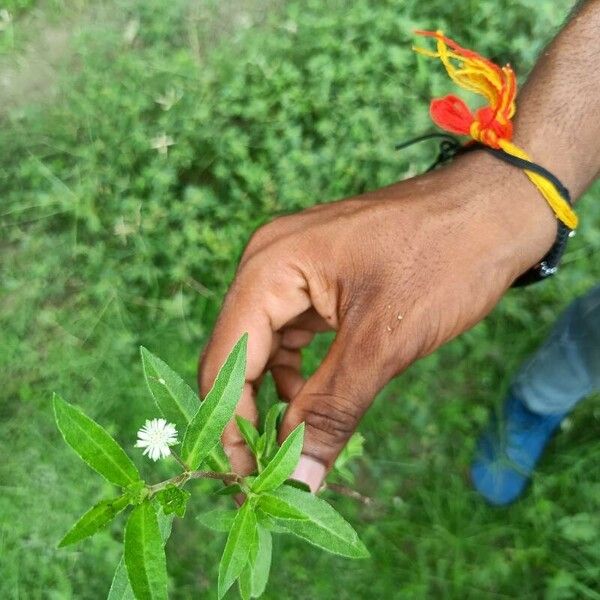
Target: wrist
{"x": 520, "y": 225}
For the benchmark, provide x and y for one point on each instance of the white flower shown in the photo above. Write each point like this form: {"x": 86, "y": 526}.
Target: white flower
{"x": 155, "y": 437}
{"x": 161, "y": 143}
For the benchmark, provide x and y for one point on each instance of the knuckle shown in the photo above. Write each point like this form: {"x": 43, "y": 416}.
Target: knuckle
{"x": 333, "y": 418}
{"x": 264, "y": 235}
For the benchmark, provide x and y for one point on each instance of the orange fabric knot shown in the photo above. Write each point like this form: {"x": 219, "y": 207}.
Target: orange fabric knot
{"x": 452, "y": 114}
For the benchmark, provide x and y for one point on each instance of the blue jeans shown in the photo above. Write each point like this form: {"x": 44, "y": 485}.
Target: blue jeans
{"x": 566, "y": 368}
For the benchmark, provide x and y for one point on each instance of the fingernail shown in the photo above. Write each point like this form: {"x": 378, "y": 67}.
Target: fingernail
{"x": 310, "y": 471}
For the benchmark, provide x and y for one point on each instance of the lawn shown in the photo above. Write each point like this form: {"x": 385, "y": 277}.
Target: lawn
{"x": 141, "y": 142}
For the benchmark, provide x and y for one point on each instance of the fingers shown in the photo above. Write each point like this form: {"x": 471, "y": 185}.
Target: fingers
{"x": 331, "y": 404}
{"x": 285, "y": 368}
{"x": 261, "y": 300}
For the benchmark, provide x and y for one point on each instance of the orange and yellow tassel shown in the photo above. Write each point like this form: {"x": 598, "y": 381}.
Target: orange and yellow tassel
{"x": 491, "y": 125}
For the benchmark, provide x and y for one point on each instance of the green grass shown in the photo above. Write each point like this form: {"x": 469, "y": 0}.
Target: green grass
{"x": 107, "y": 244}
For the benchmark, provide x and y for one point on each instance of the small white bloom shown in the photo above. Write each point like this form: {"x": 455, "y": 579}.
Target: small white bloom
{"x": 162, "y": 143}
{"x": 155, "y": 437}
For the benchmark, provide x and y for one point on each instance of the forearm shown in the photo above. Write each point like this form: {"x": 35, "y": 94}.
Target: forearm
{"x": 558, "y": 114}
{"x": 558, "y": 124}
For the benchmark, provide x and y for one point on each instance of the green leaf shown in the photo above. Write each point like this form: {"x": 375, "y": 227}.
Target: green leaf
{"x": 218, "y": 519}
{"x": 240, "y": 542}
{"x": 253, "y": 579}
{"x": 205, "y": 429}
{"x": 353, "y": 449}
{"x": 145, "y": 554}
{"x": 269, "y": 522}
{"x": 262, "y": 563}
{"x": 248, "y": 431}
{"x": 298, "y": 484}
{"x": 173, "y": 500}
{"x": 93, "y": 444}
{"x": 322, "y": 526}
{"x": 174, "y": 398}
{"x": 245, "y": 583}
{"x": 229, "y": 490}
{"x": 120, "y": 588}
{"x": 177, "y": 401}
{"x": 280, "y": 509}
{"x": 282, "y": 464}
{"x": 94, "y": 520}
{"x": 270, "y": 429}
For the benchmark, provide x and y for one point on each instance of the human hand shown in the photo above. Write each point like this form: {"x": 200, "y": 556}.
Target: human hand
{"x": 396, "y": 273}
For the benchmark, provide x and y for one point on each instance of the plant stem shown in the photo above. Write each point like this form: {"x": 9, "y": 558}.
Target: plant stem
{"x": 183, "y": 478}
{"x": 349, "y": 492}
{"x": 227, "y": 478}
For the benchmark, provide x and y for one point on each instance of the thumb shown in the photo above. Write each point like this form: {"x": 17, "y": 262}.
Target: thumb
{"x": 331, "y": 404}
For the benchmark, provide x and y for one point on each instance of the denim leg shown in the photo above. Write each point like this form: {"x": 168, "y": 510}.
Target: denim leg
{"x": 566, "y": 368}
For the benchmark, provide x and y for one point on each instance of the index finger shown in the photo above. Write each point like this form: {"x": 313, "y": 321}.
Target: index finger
{"x": 261, "y": 300}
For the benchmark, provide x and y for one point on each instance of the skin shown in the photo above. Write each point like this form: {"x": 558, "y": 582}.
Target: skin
{"x": 400, "y": 271}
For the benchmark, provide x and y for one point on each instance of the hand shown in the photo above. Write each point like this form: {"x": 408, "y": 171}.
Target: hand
{"x": 396, "y": 273}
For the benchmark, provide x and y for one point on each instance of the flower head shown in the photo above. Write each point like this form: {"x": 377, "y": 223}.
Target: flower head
{"x": 155, "y": 437}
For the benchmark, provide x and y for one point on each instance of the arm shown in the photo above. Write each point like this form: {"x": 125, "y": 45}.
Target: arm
{"x": 399, "y": 271}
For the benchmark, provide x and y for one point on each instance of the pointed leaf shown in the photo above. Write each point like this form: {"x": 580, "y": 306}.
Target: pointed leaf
{"x": 282, "y": 465}
{"x": 268, "y": 522}
{"x": 245, "y": 583}
{"x": 94, "y": 520}
{"x": 353, "y": 449}
{"x": 262, "y": 563}
{"x": 253, "y": 579}
{"x": 298, "y": 484}
{"x": 323, "y": 526}
{"x": 145, "y": 554}
{"x": 205, "y": 429}
{"x": 230, "y": 490}
{"x": 120, "y": 588}
{"x": 241, "y": 539}
{"x": 174, "y": 398}
{"x": 218, "y": 519}
{"x": 270, "y": 430}
{"x": 248, "y": 431}
{"x": 93, "y": 444}
{"x": 177, "y": 401}
{"x": 279, "y": 509}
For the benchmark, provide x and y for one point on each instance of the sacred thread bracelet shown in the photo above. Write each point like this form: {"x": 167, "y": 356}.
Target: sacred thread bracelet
{"x": 490, "y": 128}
